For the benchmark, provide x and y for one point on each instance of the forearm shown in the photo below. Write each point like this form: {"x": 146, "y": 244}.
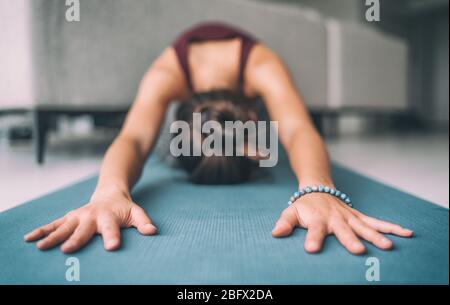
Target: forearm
{"x": 121, "y": 167}
{"x": 309, "y": 157}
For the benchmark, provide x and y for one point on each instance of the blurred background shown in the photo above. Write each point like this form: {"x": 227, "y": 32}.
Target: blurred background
{"x": 377, "y": 90}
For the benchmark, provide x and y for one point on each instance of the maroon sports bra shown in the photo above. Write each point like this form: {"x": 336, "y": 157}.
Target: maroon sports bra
{"x": 212, "y": 31}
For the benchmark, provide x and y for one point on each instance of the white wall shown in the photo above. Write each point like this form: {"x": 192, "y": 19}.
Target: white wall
{"x": 16, "y": 85}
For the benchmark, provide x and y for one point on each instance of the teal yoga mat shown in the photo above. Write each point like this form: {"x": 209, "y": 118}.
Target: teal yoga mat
{"x": 221, "y": 235}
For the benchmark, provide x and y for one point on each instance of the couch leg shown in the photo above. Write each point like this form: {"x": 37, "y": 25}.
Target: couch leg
{"x": 40, "y": 136}
{"x": 318, "y": 122}
{"x": 331, "y": 125}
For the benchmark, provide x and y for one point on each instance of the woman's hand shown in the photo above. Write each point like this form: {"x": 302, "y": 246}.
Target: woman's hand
{"x": 106, "y": 213}
{"x": 322, "y": 214}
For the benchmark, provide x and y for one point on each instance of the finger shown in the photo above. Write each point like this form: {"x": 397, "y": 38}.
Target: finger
{"x": 348, "y": 239}
{"x": 44, "y": 230}
{"x": 386, "y": 227}
{"x": 286, "y": 224}
{"x": 82, "y": 234}
{"x": 110, "y": 231}
{"x": 315, "y": 237}
{"x": 369, "y": 234}
{"x": 59, "y": 235}
{"x": 142, "y": 222}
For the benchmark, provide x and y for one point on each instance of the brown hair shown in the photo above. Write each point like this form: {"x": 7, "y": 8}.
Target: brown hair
{"x": 217, "y": 106}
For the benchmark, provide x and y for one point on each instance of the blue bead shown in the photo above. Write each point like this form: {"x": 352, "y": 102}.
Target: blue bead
{"x": 308, "y": 190}
{"x": 332, "y": 191}
{"x": 337, "y": 193}
{"x": 347, "y": 200}
{"x": 326, "y": 189}
{"x": 343, "y": 196}
{"x": 321, "y": 188}
{"x": 292, "y": 199}
{"x": 296, "y": 194}
{"x": 302, "y": 192}
{"x": 289, "y": 202}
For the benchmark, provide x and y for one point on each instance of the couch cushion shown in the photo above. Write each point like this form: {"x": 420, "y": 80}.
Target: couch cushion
{"x": 99, "y": 61}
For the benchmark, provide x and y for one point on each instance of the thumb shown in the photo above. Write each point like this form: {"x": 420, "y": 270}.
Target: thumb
{"x": 286, "y": 224}
{"x": 141, "y": 221}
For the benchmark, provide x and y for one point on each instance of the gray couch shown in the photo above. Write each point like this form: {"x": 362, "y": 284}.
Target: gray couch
{"x": 94, "y": 66}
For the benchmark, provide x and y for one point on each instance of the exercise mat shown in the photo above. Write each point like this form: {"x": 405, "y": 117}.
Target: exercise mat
{"x": 222, "y": 235}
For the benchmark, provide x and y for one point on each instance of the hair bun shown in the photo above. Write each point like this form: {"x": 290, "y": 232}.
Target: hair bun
{"x": 220, "y": 106}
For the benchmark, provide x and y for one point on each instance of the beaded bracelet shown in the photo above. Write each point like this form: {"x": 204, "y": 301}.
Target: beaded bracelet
{"x": 321, "y": 189}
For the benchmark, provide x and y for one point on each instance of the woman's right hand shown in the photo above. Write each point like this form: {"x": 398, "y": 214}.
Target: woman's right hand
{"x": 105, "y": 214}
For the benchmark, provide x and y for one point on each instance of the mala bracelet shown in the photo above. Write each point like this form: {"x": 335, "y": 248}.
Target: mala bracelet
{"x": 321, "y": 189}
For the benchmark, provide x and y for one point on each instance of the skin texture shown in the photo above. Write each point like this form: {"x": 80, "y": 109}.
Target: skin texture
{"x": 214, "y": 65}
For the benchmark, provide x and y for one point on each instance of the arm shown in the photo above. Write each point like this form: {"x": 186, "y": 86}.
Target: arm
{"x": 296, "y": 130}
{"x": 111, "y": 206}
{"x": 124, "y": 159}
{"x": 320, "y": 214}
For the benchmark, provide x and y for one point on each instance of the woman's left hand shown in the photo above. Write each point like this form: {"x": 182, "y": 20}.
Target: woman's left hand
{"x": 322, "y": 215}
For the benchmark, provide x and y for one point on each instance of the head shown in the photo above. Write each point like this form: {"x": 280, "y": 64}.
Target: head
{"x": 219, "y": 107}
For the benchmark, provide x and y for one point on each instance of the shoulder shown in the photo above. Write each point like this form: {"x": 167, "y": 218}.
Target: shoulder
{"x": 262, "y": 55}
{"x": 166, "y": 73}
{"x": 265, "y": 70}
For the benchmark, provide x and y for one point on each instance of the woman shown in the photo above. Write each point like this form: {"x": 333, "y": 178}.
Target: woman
{"x": 236, "y": 68}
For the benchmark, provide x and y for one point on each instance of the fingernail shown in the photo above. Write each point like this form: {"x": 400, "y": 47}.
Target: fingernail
{"x": 65, "y": 248}
{"x": 358, "y": 248}
{"x": 112, "y": 243}
{"x": 312, "y": 247}
{"x": 150, "y": 226}
{"x": 67, "y": 245}
{"x": 386, "y": 242}
{"x": 154, "y": 229}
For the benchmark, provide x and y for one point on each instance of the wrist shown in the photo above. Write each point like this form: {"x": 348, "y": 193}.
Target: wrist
{"x": 110, "y": 190}
{"x": 320, "y": 189}
{"x": 313, "y": 181}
